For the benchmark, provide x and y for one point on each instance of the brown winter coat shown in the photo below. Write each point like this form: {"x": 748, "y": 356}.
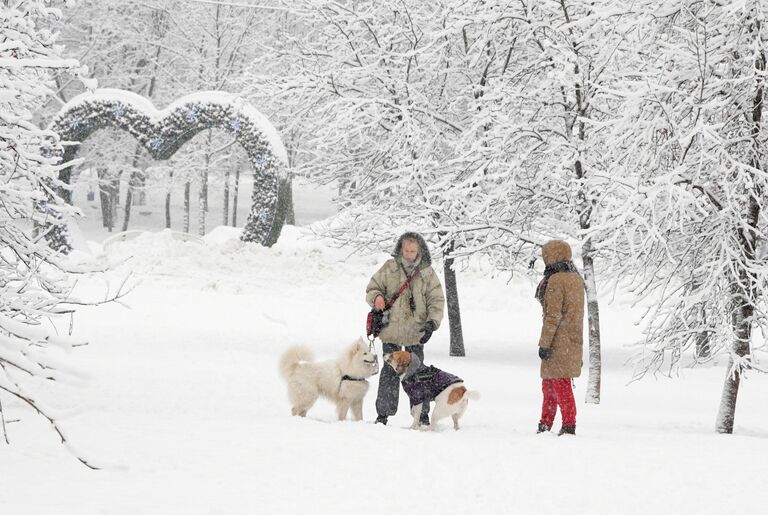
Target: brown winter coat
{"x": 405, "y": 327}
{"x": 563, "y": 323}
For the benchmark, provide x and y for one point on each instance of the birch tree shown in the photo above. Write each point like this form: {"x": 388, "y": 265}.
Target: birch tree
{"x": 549, "y": 119}
{"x": 697, "y": 220}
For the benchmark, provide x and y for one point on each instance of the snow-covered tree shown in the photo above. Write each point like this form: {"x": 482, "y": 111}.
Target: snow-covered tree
{"x": 108, "y": 155}
{"x": 123, "y": 46}
{"x": 164, "y": 50}
{"x": 382, "y": 93}
{"x": 689, "y": 236}
{"x": 35, "y": 281}
{"x": 547, "y": 120}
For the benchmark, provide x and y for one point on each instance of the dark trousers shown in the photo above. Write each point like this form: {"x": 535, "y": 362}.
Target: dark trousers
{"x": 389, "y": 384}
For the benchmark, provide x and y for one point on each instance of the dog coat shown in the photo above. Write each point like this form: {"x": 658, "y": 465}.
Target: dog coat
{"x": 424, "y": 383}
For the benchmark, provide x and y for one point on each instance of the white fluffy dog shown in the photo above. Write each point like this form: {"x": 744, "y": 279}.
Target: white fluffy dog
{"x": 343, "y": 381}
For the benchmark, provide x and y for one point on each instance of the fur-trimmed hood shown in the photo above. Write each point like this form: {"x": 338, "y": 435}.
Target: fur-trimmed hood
{"x": 556, "y": 251}
{"x": 422, "y": 300}
{"x": 424, "y": 255}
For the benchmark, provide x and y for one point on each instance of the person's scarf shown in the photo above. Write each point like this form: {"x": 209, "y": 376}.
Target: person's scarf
{"x": 410, "y": 266}
{"x": 409, "y": 269}
{"x": 549, "y": 271}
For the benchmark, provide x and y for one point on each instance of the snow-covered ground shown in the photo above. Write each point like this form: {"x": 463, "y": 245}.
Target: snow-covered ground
{"x": 185, "y": 412}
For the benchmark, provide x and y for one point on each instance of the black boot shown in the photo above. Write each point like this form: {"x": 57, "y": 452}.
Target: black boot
{"x": 567, "y": 430}
{"x": 424, "y": 419}
{"x": 543, "y": 428}
{"x": 381, "y": 419}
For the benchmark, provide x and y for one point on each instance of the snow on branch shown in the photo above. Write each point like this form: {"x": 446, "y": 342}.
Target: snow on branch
{"x": 36, "y": 283}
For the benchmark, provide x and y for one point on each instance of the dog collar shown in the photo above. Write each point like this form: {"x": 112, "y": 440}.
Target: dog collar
{"x": 350, "y": 378}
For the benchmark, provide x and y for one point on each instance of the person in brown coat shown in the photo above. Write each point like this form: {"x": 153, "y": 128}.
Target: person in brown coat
{"x": 561, "y": 294}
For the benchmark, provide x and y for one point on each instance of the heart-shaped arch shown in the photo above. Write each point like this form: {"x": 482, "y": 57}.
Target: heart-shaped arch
{"x": 163, "y": 132}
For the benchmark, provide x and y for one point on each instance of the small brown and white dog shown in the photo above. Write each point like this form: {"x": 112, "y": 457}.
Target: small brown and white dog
{"x": 423, "y": 383}
{"x": 343, "y": 382}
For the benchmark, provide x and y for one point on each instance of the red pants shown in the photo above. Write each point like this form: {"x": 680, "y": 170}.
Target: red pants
{"x": 558, "y": 392}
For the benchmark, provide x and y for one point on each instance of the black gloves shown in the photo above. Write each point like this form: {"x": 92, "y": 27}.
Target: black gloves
{"x": 429, "y": 328}
{"x": 545, "y": 354}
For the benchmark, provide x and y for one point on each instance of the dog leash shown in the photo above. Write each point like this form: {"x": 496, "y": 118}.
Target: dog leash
{"x": 372, "y": 348}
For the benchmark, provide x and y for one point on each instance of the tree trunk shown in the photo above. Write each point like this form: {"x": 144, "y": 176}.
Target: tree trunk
{"x": 204, "y": 190}
{"x": 703, "y": 348}
{"x": 114, "y": 199}
{"x": 585, "y": 206}
{"x": 593, "y": 318}
{"x": 168, "y": 203}
{"x": 452, "y": 301}
{"x": 136, "y": 186}
{"x": 202, "y": 194}
{"x": 128, "y": 203}
{"x": 106, "y": 209}
{"x": 742, "y": 329}
{"x": 140, "y": 197}
{"x": 290, "y": 214}
{"x": 745, "y": 293}
{"x": 234, "y": 197}
{"x": 187, "y": 187}
{"x": 206, "y": 172}
{"x": 201, "y": 207}
{"x": 132, "y": 195}
{"x": 101, "y": 175}
{"x": 226, "y": 198}
{"x": 117, "y": 192}
{"x": 133, "y": 182}
{"x": 593, "y": 307}
{"x": 168, "y": 210}
{"x": 727, "y": 411}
